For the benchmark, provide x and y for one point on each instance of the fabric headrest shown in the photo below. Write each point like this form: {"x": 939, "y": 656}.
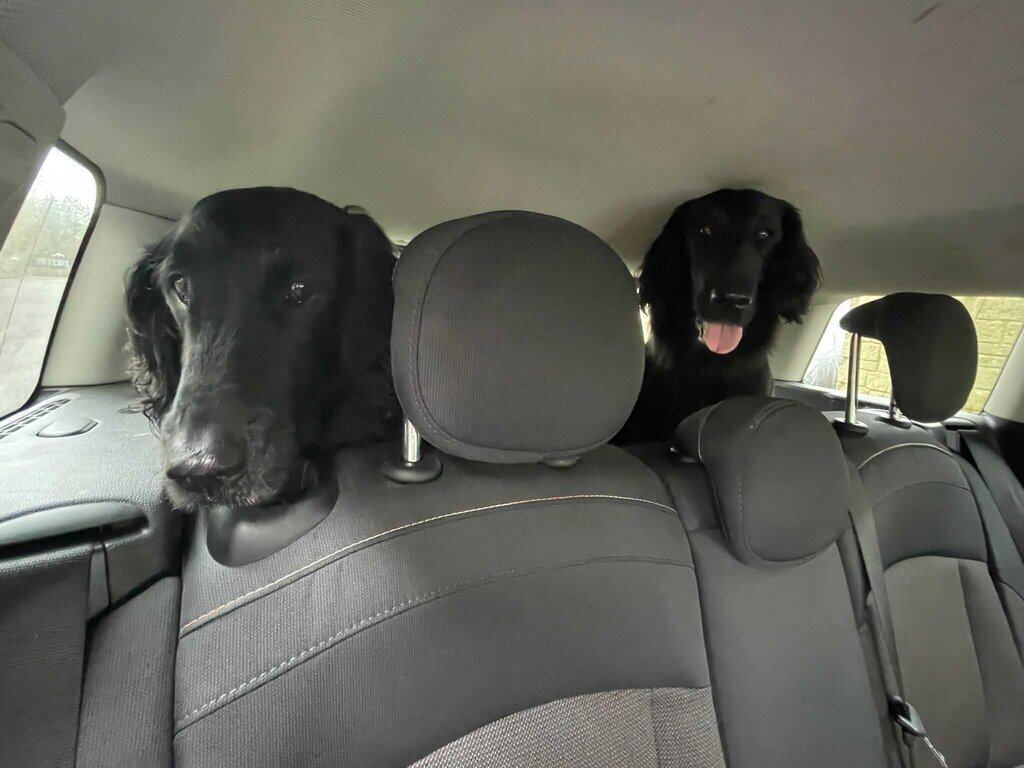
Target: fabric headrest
{"x": 932, "y": 348}
{"x": 779, "y": 476}
{"x": 516, "y": 338}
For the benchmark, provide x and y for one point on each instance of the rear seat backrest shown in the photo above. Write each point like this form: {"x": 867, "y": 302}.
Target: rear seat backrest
{"x": 507, "y": 612}
{"x": 958, "y": 654}
{"x": 790, "y": 679}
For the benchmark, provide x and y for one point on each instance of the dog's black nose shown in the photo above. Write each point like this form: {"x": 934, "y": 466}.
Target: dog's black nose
{"x": 206, "y": 464}
{"x": 737, "y": 300}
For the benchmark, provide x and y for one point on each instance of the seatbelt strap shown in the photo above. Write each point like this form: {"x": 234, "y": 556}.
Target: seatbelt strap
{"x": 901, "y": 711}
{"x": 1006, "y": 490}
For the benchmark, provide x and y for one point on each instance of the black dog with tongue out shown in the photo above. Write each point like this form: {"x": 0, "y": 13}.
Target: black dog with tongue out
{"x": 727, "y": 269}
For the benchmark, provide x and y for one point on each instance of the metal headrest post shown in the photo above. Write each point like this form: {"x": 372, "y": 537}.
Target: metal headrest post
{"x": 413, "y": 466}
{"x": 895, "y": 417}
{"x": 412, "y": 443}
{"x": 850, "y": 423}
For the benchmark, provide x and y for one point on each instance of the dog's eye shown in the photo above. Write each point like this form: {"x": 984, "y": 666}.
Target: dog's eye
{"x": 706, "y": 231}
{"x": 180, "y": 287}
{"x": 299, "y": 292}
{"x": 763, "y": 234}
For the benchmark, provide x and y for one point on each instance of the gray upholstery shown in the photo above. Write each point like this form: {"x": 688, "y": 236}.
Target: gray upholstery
{"x": 491, "y": 590}
{"x": 516, "y": 337}
{"x": 790, "y": 680}
{"x": 791, "y": 683}
{"x": 932, "y": 373}
{"x": 43, "y": 601}
{"x": 415, "y": 614}
{"x": 789, "y": 677}
{"x": 655, "y": 728}
{"x": 778, "y": 473}
{"x": 129, "y": 683}
{"x": 958, "y": 654}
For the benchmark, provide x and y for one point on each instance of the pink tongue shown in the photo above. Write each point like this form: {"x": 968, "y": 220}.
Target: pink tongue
{"x": 722, "y": 338}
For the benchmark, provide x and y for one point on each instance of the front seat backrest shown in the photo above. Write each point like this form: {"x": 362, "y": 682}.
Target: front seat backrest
{"x": 508, "y": 610}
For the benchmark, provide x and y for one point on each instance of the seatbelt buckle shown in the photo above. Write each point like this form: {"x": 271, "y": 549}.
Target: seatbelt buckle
{"x": 906, "y": 717}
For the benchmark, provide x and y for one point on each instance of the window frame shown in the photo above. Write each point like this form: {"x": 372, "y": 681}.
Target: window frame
{"x": 101, "y": 199}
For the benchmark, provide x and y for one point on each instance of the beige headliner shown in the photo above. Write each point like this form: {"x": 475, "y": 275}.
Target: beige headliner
{"x": 895, "y": 126}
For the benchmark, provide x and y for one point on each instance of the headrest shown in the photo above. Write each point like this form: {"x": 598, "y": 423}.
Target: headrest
{"x": 779, "y": 476}
{"x": 932, "y": 348}
{"x": 516, "y": 338}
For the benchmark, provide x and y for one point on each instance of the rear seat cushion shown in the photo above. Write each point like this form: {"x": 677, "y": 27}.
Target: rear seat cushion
{"x": 501, "y": 352}
{"x": 779, "y": 476}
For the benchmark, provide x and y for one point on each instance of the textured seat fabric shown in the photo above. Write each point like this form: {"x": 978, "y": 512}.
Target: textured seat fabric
{"x": 515, "y": 337}
{"x": 779, "y": 476}
{"x": 790, "y": 679}
{"x": 657, "y": 728}
{"x": 416, "y": 615}
{"x": 954, "y": 611}
{"x": 958, "y": 655}
{"x": 129, "y": 683}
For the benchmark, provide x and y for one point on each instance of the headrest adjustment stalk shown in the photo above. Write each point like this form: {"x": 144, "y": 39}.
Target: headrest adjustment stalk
{"x": 412, "y": 444}
{"x": 413, "y": 467}
{"x": 850, "y": 423}
{"x": 895, "y": 417}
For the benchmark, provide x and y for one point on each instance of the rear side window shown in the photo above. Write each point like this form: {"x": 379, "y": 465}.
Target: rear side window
{"x": 35, "y": 263}
{"x": 998, "y": 320}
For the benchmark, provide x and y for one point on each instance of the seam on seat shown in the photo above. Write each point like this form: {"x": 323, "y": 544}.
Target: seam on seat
{"x": 974, "y": 643}
{"x": 915, "y": 484}
{"x": 1011, "y": 588}
{"x": 654, "y": 733}
{"x": 905, "y": 445}
{"x": 320, "y": 562}
{"x": 761, "y": 418}
{"x": 408, "y": 603}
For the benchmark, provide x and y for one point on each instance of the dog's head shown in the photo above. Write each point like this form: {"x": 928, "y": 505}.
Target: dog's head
{"x": 259, "y": 329}
{"x": 724, "y": 261}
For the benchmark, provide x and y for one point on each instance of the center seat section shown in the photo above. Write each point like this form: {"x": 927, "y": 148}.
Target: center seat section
{"x": 761, "y": 486}
{"x": 954, "y": 577}
{"x": 533, "y": 604}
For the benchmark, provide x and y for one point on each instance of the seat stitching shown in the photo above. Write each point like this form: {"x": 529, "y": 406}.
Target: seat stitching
{"x": 325, "y": 559}
{"x": 410, "y": 602}
{"x": 903, "y": 445}
{"x": 916, "y": 484}
{"x": 755, "y": 425}
{"x": 654, "y": 731}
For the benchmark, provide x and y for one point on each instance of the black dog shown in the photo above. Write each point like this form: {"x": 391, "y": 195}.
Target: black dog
{"x": 724, "y": 272}
{"x": 260, "y": 328}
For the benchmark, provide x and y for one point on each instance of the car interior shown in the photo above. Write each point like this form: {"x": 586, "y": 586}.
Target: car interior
{"x": 829, "y": 572}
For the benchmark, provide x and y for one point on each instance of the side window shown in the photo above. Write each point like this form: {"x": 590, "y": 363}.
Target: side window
{"x": 998, "y": 320}
{"x": 35, "y": 263}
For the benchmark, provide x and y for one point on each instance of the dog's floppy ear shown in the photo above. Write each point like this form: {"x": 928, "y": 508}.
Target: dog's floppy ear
{"x": 793, "y": 273}
{"x": 665, "y": 274}
{"x": 153, "y": 338}
{"x": 364, "y": 327}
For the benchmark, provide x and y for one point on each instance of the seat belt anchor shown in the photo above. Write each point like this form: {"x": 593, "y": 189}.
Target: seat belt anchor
{"x": 906, "y": 717}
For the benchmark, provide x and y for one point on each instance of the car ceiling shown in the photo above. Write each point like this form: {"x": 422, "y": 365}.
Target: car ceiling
{"x": 896, "y": 127}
